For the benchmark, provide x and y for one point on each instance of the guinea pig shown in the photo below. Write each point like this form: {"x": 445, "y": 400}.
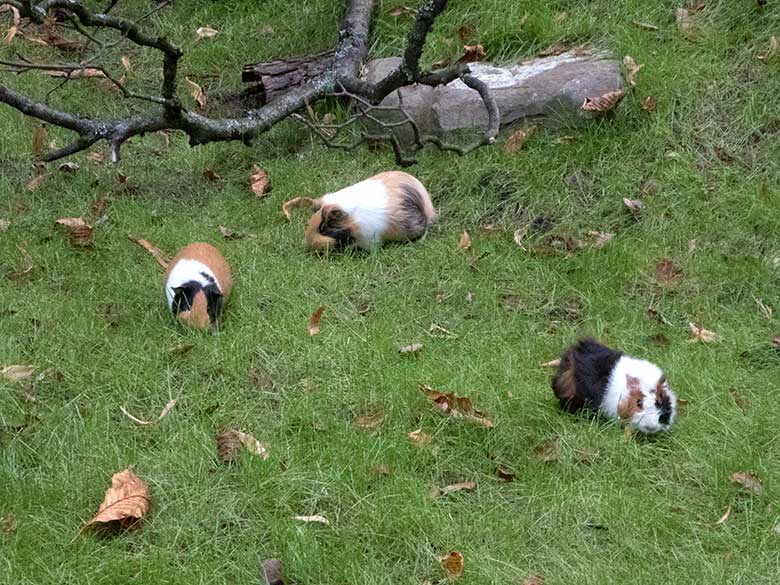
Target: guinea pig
{"x": 390, "y": 206}
{"x": 594, "y": 377}
{"x": 197, "y": 283}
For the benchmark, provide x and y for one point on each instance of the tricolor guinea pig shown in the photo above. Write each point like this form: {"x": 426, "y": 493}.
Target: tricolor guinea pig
{"x": 592, "y": 376}
{"x": 390, "y": 206}
{"x": 196, "y": 284}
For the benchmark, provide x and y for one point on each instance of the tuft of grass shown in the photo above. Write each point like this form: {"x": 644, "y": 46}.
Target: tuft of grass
{"x": 602, "y": 510}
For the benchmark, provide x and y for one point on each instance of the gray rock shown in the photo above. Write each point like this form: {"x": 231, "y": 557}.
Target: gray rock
{"x": 550, "y": 90}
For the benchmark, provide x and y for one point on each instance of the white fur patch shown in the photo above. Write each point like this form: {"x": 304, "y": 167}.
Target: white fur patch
{"x": 617, "y": 389}
{"x": 368, "y": 204}
{"x": 186, "y": 271}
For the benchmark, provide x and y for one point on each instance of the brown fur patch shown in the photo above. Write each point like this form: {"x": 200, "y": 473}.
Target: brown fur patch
{"x": 410, "y": 208}
{"x": 210, "y": 256}
{"x": 631, "y": 404}
{"x": 660, "y": 391}
{"x": 336, "y": 219}
{"x": 198, "y": 315}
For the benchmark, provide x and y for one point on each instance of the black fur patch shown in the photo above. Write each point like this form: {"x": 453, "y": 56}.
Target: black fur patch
{"x": 333, "y": 227}
{"x": 665, "y": 406}
{"x": 413, "y": 219}
{"x": 593, "y": 364}
{"x": 184, "y": 297}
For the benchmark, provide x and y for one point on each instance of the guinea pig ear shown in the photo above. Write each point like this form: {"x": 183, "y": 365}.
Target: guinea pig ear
{"x": 632, "y": 383}
{"x": 660, "y": 387}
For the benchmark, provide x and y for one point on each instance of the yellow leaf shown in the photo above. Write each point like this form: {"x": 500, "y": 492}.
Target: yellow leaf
{"x": 465, "y": 241}
{"x": 196, "y": 92}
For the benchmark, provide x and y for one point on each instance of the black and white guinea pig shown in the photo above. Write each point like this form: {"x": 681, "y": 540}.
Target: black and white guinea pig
{"x": 595, "y": 377}
{"x": 390, "y": 206}
{"x": 197, "y": 283}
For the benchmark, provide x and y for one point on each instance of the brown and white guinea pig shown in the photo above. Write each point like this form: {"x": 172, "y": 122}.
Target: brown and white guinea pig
{"x": 595, "y": 377}
{"x": 390, "y": 206}
{"x": 197, "y": 283}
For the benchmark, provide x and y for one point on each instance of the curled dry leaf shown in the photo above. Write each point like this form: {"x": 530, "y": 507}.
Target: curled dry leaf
{"x": 162, "y": 258}
{"x": 28, "y": 266}
{"x": 37, "y": 180}
{"x": 369, "y": 422}
{"x": 603, "y": 103}
{"x": 547, "y": 451}
{"x": 533, "y": 580}
{"x": 649, "y": 104}
{"x": 504, "y": 475}
{"x": 314, "y": 322}
{"x": 411, "y": 349}
{"x": 667, "y": 271}
{"x": 401, "y": 10}
{"x": 126, "y": 63}
{"x": 261, "y": 184}
{"x": 702, "y": 334}
{"x": 516, "y": 141}
{"x": 211, "y": 176}
{"x": 295, "y": 202}
{"x": 81, "y": 233}
{"x": 551, "y": 364}
{"x": 316, "y": 519}
{"x": 163, "y": 413}
{"x": 633, "y": 204}
{"x": 465, "y": 241}
{"x": 437, "y": 492}
{"x": 125, "y": 502}
{"x": 9, "y": 37}
{"x": 600, "y": 239}
{"x": 229, "y": 444}
{"x": 520, "y": 234}
{"x": 725, "y": 516}
{"x": 472, "y": 53}
{"x": 420, "y": 438}
{"x": 206, "y": 32}
{"x": 75, "y": 73}
{"x": 631, "y": 69}
{"x": 455, "y": 406}
{"x": 8, "y": 523}
{"x": 771, "y": 51}
{"x": 39, "y": 141}
{"x": 95, "y": 157}
{"x": 196, "y": 92}
{"x": 452, "y": 565}
{"x": 749, "y": 481}
{"x": 17, "y": 373}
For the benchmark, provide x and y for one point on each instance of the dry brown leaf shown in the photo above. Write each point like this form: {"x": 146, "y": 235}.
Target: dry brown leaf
{"x": 649, "y": 104}
{"x": 37, "y": 180}
{"x": 261, "y": 184}
{"x": 401, "y": 10}
{"x": 412, "y": 348}
{"x": 749, "y": 481}
{"x": 520, "y": 234}
{"x": 533, "y": 580}
{"x": 196, "y": 92}
{"x": 600, "y": 239}
{"x": 162, "y": 258}
{"x": 633, "y": 204}
{"x": 314, "y": 322}
{"x": 551, "y": 364}
{"x": 95, "y": 157}
{"x": 229, "y": 443}
{"x": 4, "y": 225}
{"x": 206, "y": 32}
{"x": 683, "y": 18}
{"x": 9, "y": 37}
{"x": 771, "y": 51}
{"x": 603, "y": 103}
{"x": 316, "y": 519}
{"x": 369, "y": 422}
{"x": 504, "y": 475}
{"x": 725, "y": 516}
{"x": 465, "y": 241}
{"x": 702, "y": 334}
{"x": 455, "y": 406}
{"x": 163, "y": 413}
{"x": 126, "y": 501}
{"x": 631, "y": 69}
{"x": 516, "y": 141}
{"x": 437, "y": 492}
{"x": 17, "y": 373}
{"x": 472, "y": 53}
{"x": 211, "y": 176}
{"x": 419, "y": 438}
{"x": 39, "y": 141}
{"x": 555, "y": 50}
{"x": 452, "y": 565}
{"x": 75, "y": 73}
{"x": 547, "y": 451}
{"x": 644, "y": 25}
{"x": 28, "y": 266}
{"x": 81, "y": 233}
{"x": 667, "y": 271}
{"x": 8, "y": 523}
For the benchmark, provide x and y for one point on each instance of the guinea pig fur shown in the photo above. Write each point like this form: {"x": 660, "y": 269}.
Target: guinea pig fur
{"x": 390, "y": 206}
{"x": 592, "y": 376}
{"x": 197, "y": 282}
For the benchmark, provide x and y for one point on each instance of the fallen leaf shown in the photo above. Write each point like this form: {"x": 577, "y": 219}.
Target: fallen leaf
{"x": 603, "y": 103}
{"x": 771, "y": 51}
{"x": 519, "y": 234}
{"x": 651, "y": 312}
{"x": 702, "y": 334}
{"x": 229, "y": 234}
{"x": 723, "y": 155}
{"x": 739, "y": 400}
{"x": 8, "y": 523}
{"x": 272, "y": 572}
{"x": 162, "y": 258}
{"x": 455, "y": 487}
{"x": 381, "y": 469}
{"x": 401, "y": 10}
{"x": 452, "y": 565}
{"x": 455, "y": 406}
{"x": 81, "y": 233}
{"x": 725, "y": 516}
{"x": 533, "y": 580}
{"x": 600, "y": 239}
{"x": 749, "y": 481}
{"x": 230, "y": 442}
{"x": 261, "y": 184}
{"x": 317, "y": 519}
{"x": 504, "y": 475}
{"x": 691, "y": 246}
{"x": 419, "y": 438}
{"x": 683, "y": 18}
{"x": 163, "y": 413}
{"x": 516, "y": 141}
{"x": 95, "y": 157}
{"x": 551, "y": 364}
{"x": 126, "y": 63}
{"x": 17, "y": 373}
{"x": 69, "y": 167}
{"x": 659, "y": 340}
{"x": 28, "y": 266}
{"x": 4, "y": 225}
{"x": 196, "y": 92}
{"x": 465, "y": 241}
{"x": 126, "y": 501}
{"x": 547, "y": 451}
{"x": 649, "y": 104}
{"x": 644, "y": 25}
{"x": 75, "y": 73}
{"x": 9, "y": 37}
{"x": 211, "y": 176}
{"x": 206, "y": 32}
{"x": 412, "y": 348}
{"x": 631, "y": 69}
{"x": 667, "y": 271}
{"x": 111, "y": 314}
{"x": 369, "y": 422}
{"x": 39, "y": 141}
{"x": 36, "y": 181}
{"x": 633, "y": 204}
{"x": 472, "y": 53}
{"x": 314, "y": 322}
{"x": 555, "y": 50}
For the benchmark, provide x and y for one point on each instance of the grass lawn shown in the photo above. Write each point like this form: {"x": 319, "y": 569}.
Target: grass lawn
{"x": 594, "y": 508}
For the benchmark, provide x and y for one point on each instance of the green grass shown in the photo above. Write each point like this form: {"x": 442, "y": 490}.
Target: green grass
{"x": 657, "y": 500}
